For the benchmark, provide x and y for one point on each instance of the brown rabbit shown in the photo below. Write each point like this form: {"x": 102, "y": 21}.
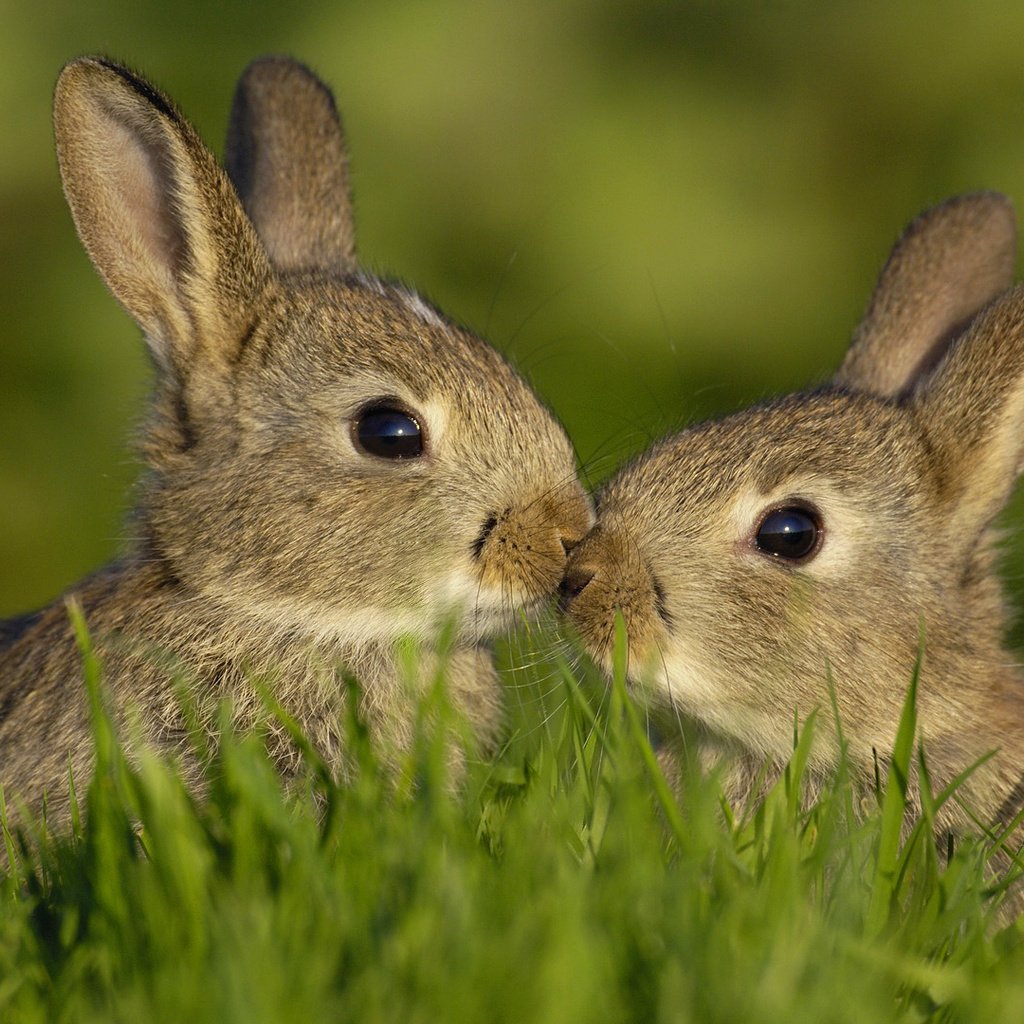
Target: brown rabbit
{"x": 332, "y": 464}
{"x": 814, "y": 536}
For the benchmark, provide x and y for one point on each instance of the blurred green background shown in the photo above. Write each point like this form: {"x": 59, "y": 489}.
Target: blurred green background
{"x": 660, "y": 211}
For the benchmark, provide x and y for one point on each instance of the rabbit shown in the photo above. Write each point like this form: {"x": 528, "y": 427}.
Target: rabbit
{"x": 330, "y": 463}
{"x": 836, "y": 536}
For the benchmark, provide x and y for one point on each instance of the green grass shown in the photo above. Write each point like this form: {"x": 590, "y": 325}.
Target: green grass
{"x": 563, "y": 882}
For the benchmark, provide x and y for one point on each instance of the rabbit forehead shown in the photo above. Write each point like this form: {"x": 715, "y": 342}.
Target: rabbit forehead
{"x": 862, "y": 446}
{"x": 360, "y": 338}
{"x": 697, "y": 501}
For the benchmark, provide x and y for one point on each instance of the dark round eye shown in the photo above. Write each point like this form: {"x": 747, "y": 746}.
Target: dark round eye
{"x": 790, "y": 533}
{"x": 388, "y": 433}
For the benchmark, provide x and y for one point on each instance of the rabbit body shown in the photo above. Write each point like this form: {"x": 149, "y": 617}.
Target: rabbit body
{"x": 331, "y": 463}
{"x": 818, "y": 537}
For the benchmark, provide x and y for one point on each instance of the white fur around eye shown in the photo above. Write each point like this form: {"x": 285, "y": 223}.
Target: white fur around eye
{"x": 848, "y": 527}
{"x": 435, "y": 415}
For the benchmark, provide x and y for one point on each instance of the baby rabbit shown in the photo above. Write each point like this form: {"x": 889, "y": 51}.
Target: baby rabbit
{"x": 331, "y": 463}
{"x": 814, "y": 536}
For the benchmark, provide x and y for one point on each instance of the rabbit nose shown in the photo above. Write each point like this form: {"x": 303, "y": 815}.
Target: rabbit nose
{"x": 568, "y": 543}
{"x": 573, "y": 584}
{"x": 574, "y": 518}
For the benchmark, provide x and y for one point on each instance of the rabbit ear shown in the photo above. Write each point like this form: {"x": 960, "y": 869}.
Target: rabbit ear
{"x": 972, "y": 408}
{"x": 286, "y": 156}
{"x": 157, "y": 216}
{"x": 952, "y": 261}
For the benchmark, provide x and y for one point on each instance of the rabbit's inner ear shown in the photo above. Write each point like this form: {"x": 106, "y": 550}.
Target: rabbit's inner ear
{"x": 157, "y": 216}
{"x": 950, "y": 263}
{"x": 140, "y": 179}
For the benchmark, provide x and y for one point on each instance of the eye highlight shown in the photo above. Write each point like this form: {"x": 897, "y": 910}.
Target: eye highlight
{"x": 791, "y": 533}
{"x": 388, "y": 432}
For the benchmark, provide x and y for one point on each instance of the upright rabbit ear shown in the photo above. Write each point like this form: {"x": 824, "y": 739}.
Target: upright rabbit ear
{"x": 157, "y": 216}
{"x": 286, "y": 156}
{"x": 950, "y": 263}
{"x": 972, "y": 408}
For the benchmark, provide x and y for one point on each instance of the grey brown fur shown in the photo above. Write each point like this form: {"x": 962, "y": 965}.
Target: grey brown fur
{"x": 265, "y": 544}
{"x": 908, "y": 456}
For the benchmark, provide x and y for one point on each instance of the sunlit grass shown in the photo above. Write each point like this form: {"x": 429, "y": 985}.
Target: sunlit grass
{"x": 563, "y": 882}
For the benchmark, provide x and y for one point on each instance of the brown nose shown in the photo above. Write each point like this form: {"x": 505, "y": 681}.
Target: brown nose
{"x": 574, "y": 523}
{"x": 568, "y": 542}
{"x": 573, "y": 584}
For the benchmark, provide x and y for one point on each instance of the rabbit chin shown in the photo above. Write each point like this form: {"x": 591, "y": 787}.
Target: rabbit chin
{"x": 476, "y": 611}
{"x": 677, "y": 682}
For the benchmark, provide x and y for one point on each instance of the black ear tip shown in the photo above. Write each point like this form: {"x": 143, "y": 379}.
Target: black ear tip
{"x": 103, "y": 68}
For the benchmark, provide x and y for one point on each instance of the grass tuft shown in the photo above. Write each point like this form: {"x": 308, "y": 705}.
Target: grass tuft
{"x": 564, "y": 882}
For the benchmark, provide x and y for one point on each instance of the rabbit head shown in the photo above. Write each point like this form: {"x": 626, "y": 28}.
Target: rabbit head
{"x": 326, "y": 452}
{"x": 814, "y": 537}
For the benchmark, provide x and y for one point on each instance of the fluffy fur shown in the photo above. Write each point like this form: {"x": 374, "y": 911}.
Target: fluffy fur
{"x": 265, "y": 543}
{"x": 907, "y": 456}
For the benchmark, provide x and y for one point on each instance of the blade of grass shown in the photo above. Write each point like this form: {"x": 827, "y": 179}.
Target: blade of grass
{"x": 894, "y": 806}
{"x": 666, "y": 800}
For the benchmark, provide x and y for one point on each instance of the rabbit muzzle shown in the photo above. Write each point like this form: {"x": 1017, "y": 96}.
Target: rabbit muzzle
{"x": 522, "y": 550}
{"x": 607, "y": 575}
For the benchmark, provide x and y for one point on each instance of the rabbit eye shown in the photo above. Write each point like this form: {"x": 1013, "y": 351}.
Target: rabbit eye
{"x": 791, "y": 533}
{"x": 388, "y": 432}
